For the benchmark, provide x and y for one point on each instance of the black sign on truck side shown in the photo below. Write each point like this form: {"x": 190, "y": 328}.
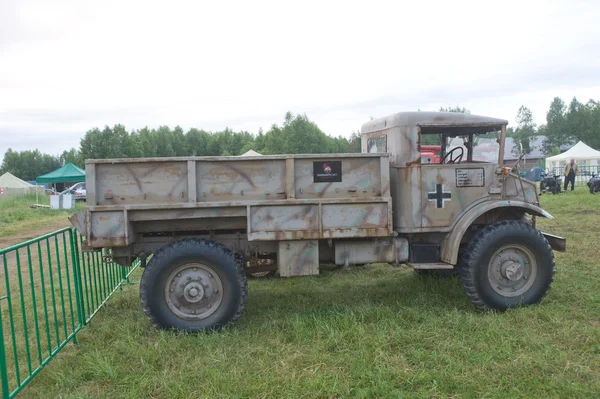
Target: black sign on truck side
{"x": 327, "y": 171}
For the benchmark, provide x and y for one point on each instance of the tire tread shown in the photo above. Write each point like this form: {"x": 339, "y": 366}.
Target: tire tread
{"x": 182, "y": 245}
{"x": 476, "y": 247}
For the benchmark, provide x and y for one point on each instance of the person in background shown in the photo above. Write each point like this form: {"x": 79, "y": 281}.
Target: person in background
{"x": 570, "y": 172}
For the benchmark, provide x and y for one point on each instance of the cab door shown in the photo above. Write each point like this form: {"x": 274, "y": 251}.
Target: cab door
{"x": 447, "y": 190}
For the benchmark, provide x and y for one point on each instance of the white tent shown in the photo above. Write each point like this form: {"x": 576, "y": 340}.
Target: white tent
{"x": 251, "y": 153}
{"x": 12, "y": 185}
{"x": 586, "y": 157}
{"x": 8, "y": 180}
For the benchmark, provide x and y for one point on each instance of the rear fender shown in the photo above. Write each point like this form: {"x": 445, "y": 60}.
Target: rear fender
{"x": 451, "y": 241}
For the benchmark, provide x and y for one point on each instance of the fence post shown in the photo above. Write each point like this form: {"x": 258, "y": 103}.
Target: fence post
{"x": 77, "y": 277}
{"x": 124, "y": 277}
{"x": 3, "y": 364}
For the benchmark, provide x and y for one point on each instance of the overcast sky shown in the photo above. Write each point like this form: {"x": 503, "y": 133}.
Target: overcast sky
{"x": 70, "y": 65}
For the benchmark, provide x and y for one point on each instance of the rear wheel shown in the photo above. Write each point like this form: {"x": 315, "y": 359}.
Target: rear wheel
{"x": 507, "y": 264}
{"x": 193, "y": 285}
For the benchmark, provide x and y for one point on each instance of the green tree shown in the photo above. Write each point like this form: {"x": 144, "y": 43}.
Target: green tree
{"x": 27, "y": 165}
{"x": 354, "y": 144}
{"x": 197, "y": 142}
{"x": 524, "y": 132}
{"x": 556, "y": 130}
{"x": 72, "y": 156}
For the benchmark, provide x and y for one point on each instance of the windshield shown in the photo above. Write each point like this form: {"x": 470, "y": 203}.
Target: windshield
{"x": 485, "y": 147}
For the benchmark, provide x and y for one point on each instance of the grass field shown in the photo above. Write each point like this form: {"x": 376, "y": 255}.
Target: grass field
{"x": 19, "y": 222}
{"x": 373, "y": 331}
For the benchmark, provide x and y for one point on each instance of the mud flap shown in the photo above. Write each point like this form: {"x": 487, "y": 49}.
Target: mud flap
{"x": 557, "y": 243}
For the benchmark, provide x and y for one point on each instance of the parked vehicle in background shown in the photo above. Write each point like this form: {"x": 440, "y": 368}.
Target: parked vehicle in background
{"x": 532, "y": 174}
{"x": 594, "y": 184}
{"x": 430, "y": 153}
{"x": 78, "y": 191}
{"x": 550, "y": 183}
{"x": 203, "y": 219}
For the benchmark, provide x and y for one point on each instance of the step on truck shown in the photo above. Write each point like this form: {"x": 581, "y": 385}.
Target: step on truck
{"x": 201, "y": 221}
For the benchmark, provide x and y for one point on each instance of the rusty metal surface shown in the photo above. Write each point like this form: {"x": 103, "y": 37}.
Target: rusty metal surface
{"x": 557, "y": 243}
{"x": 108, "y": 229}
{"x": 362, "y": 216}
{"x": 451, "y": 242}
{"x": 362, "y": 178}
{"x": 224, "y": 158}
{"x": 79, "y": 220}
{"x": 277, "y": 195}
{"x": 185, "y": 213}
{"x": 146, "y": 183}
{"x": 431, "y": 119}
{"x": 280, "y": 198}
{"x": 358, "y": 252}
{"x": 406, "y": 195}
{"x": 402, "y": 144}
{"x": 454, "y": 198}
{"x": 309, "y": 235}
{"x": 240, "y": 180}
{"x": 298, "y": 258}
{"x": 284, "y": 218}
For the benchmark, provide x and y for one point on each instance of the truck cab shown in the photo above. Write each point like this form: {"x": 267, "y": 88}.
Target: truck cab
{"x": 468, "y": 185}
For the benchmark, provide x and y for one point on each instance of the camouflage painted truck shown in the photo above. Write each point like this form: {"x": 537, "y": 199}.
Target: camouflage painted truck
{"x": 204, "y": 219}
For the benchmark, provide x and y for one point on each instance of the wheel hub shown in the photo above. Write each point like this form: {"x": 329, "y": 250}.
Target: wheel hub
{"x": 193, "y": 291}
{"x": 512, "y": 270}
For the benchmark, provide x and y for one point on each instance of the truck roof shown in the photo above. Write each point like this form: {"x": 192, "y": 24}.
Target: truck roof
{"x": 433, "y": 120}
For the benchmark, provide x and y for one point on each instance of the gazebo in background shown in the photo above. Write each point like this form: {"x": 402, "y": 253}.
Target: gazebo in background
{"x": 587, "y": 158}
{"x": 68, "y": 173}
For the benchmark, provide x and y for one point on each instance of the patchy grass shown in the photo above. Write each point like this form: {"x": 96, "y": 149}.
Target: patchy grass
{"x": 374, "y": 331}
{"x": 18, "y": 221}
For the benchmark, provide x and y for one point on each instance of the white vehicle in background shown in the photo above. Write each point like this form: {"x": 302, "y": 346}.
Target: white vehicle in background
{"x": 78, "y": 191}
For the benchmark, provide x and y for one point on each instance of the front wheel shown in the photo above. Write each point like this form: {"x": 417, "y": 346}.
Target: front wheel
{"x": 193, "y": 285}
{"x": 507, "y": 264}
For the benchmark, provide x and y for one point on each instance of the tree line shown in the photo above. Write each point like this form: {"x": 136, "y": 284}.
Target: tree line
{"x": 297, "y": 135}
{"x": 563, "y": 125}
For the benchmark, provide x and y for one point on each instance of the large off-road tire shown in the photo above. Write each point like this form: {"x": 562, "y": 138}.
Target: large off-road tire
{"x": 438, "y": 273}
{"x": 193, "y": 285}
{"x": 507, "y": 264}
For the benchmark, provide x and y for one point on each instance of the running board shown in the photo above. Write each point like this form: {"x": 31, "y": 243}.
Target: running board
{"x": 430, "y": 266}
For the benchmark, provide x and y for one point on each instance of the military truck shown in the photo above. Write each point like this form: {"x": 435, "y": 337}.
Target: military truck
{"x": 201, "y": 220}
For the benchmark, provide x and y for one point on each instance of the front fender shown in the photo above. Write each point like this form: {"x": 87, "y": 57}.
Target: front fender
{"x": 451, "y": 241}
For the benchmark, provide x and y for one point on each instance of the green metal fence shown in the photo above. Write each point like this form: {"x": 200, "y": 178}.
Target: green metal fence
{"x": 49, "y": 290}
